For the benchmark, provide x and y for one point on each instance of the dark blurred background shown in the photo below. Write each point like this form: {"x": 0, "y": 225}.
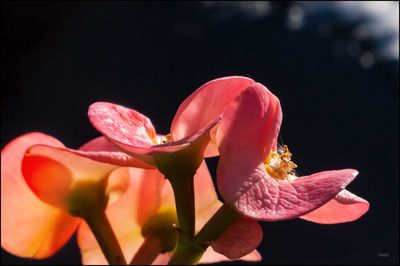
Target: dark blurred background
{"x": 334, "y": 66}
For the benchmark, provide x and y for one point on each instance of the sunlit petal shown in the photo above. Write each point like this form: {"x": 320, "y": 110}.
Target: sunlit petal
{"x": 29, "y": 227}
{"x": 345, "y": 207}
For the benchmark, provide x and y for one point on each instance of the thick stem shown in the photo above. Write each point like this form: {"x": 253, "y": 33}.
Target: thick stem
{"x": 187, "y": 252}
{"x": 148, "y": 251}
{"x": 184, "y": 201}
{"x": 101, "y": 228}
{"x": 190, "y": 250}
{"x": 218, "y": 223}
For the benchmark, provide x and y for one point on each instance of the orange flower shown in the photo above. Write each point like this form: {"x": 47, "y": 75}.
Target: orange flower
{"x": 46, "y": 189}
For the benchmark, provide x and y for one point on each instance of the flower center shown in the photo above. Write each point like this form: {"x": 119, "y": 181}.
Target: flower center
{"x": 279, "y": 165}
{"x": 166, "y": 139}
{"x": 160, "y": 139}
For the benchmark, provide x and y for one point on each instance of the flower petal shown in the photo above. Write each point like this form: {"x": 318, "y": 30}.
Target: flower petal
{"x": 345, "y": 207}
{"x": 133, "y": 208}
{"x": 122, "y": 124}
{"x": 127, "y": 128}
{"x": 204, "y": 188}
{"x": 247, "y": 131}
{"x": 241, "y": 238}
{"x": 98, "y": 144}
{"x": 134, "y": 134}
{"x": 101, "y": 150}
{"x": 147, "y": 196}
{"x": 205, "y": 104}
{"x": 54, "y": 174}
{"x": 264, "y": 198}
{"x": 29, "y": 227}
{"x": 251, "y": 123}
{"x": 210, "y": 256}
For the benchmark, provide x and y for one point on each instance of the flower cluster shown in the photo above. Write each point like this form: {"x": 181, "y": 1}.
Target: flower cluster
{"x": 136, "y": 196}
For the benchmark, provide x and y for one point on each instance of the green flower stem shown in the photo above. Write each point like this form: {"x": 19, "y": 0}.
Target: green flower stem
{"x": 148, "y": 251}
{"x": 179, "y": 168}
{"x": 187, "y": 252}
{"x": 218, "y": 223}
{"x": 101, "y": 228}
{"x": 184, "y": 201}
{"x": 190, "y": 250}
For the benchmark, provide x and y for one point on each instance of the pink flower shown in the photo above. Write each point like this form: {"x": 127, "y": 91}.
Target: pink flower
{"x": 40, "y": 183}
{"x": 177, "y": 155}
{"x": 134, "y": 134}
{"x": 257, "y": 178}
{"x": 150, "y": 195}
{"x": 247, "y": 139}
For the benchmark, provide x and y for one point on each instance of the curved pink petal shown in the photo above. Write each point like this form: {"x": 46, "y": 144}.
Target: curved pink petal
{"x": 241, "y": 238}
{"x": 205, "y": 104}
{"x": 55, "y": 173}
{"x": 264, "y": 198}
{"x": 134, "y": 134}
{"x": 127, "y": 128}
{"x": 133, "y": 208}
{"x": 247, "y": 133}
{"x": 101, "y": 150}
{"x": 248, "y": 129}
{"x": 29, "y": 227}
{"x": 345, "y": 207}
{"x": 122, "y": 124}
{"x": 210, "y": 256}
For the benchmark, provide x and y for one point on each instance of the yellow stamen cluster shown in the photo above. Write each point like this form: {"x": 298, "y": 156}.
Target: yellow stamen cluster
{"x": 279, "y": 165}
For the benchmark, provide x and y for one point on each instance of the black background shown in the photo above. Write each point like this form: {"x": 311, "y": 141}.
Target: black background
{"x": 57, "y": 58}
